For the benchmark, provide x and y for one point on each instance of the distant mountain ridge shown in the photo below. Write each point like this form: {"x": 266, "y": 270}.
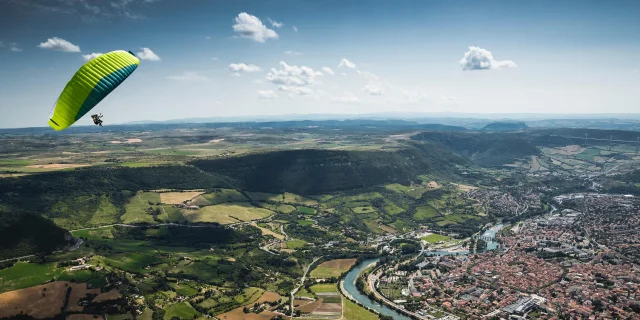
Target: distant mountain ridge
{"x": 505, "y": 126}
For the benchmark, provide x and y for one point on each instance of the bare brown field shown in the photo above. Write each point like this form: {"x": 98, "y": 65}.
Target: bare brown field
{"x": 216, "y": 140}
{"x": 310, "y": 307}
{"x": 238, "y": 314}
{"x": 268, "y": 296}
{"x": 126, "y": 141}
{"x": 105, "y": 296}
{"x": 31, "y": 302}
{"x": 344, "y": 264}
{"x": 464, "y": 187}
{"x": 57, "y": 166}
{"x": 266, "y": 231}
{"x": 178, "y": 197}
{"x": 12, "y": 175}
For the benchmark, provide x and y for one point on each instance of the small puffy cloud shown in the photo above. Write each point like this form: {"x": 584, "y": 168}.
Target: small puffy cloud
{"x": 251, "y": 27}
{"x": 302, "y": 91}
{"x": 59, "y": 44}
{"x": 238, "y": 68}
{"x": 344, "y": 63}
{"x": 328, "y": 71}
{"x": 292, "y": 53}
{"x": 481, "y": 59}
{"x": 449, "y": 101}
{"x": 344, "y": 74}
{"x": 267, "y": 94}
{"x": 11, "y": 46}
{"x": 292, "y": 75}
{"x": 207, "y": 37}
{"x": 275, "y": 24}
{"x": 214, "y": 58}
{"x": 295, "y": 28}
{"x": 372, "y": 90}
{"x": 91, "y": 56}
{"x": 147, "y": 54}
{"x": 189, "y": 76}
{"x": 368, "y": 75}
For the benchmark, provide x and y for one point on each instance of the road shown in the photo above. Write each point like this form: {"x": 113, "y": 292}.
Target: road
{"x": 304, "y": 276}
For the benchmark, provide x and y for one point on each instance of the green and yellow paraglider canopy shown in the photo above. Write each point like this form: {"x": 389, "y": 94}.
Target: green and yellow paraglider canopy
{"x": 94, "y": 81}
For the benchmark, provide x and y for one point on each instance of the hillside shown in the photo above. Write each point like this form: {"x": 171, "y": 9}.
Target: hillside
{"x": 485, "y": 149}
{"x": 322, "y": 171}
{"x": 24, "y": 234}
{"x": 75, "y": 197}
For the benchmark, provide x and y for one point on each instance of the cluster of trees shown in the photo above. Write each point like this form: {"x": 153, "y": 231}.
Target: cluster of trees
{"x": 23, "y": 234}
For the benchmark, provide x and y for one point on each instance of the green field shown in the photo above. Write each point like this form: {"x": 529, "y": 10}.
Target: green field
{"x": 453, "y": 219}
{"x": 434, "y": 238}
{"x": 286, "y": 197}
{"x": 363, "y": 209}
{"x": 305, "y": 222}
{"x": 183, "y": 289}
{"x": 201, "y": 270}
{"x": 227, "y": 213}
{"x": 219, "y": 196}
{"x": 391, "y": 208}
{"x": 324, "y": 287}
{"x": 131, "y": 261}
{"x": 24, "y": 275}
{"x": 425, "y": 213}
{"x": 182, "y": 310}
{"x": 306, "y": 210}
{"x": 295, "y": 244}
{"x": 352, "y": 311}
{"x": 136, "y": 209}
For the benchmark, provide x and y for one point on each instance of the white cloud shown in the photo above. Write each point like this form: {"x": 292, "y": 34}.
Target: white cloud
{"x": 302, "y": 91}
{"x": 349, "y": 99}
{"x": 328, "y": 71}
{"x": 368, "y": 75}
{"x": 235, "y": 74}
{"x": 189, "y": 76}
{"x": 91, "y": 56}
{"x": 372, "y": 90}
{"x": 344, "y": 74}
{"x": 292, "y": 53}
{"x": 481, "y": 59}
{"x": 292, "y": 75}
{"x": 275, "y": 24}
{"x": 147, "y": 54}
{"x": 295, "y": 28}
{"x": 207, "y": 37}
{"x": 15, "y": 49}
{"x": 344, "y": 63}
{"x": 267, "y": 94}
{"x": 59, "y": 44}
{"x": 214, "y": 58}
{"x": 251, "y": 27}
{"x": 238, "y": 68}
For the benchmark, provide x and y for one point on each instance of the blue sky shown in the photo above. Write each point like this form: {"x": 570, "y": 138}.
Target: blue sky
{"x": 264, "y": 57}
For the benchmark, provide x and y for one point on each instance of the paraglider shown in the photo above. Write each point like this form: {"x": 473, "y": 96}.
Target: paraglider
{"x": 92, "y": 83}
{"x": 96, "y": 119}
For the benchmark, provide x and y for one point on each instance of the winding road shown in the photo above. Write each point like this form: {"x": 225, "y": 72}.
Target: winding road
{"x": 304, "y": 276}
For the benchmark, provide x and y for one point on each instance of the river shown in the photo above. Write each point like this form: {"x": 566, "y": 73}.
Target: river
{"x": 350, "y": 278}
{"x": 350, "y": 286}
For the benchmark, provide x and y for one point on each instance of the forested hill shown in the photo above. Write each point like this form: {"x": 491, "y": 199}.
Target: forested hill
{"x": 505, "y": 126}
{"x": 321, "y": 171}
{"x": 24, "y": 234}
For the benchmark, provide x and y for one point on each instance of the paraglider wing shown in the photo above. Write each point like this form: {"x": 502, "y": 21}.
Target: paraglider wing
{"x": 94, "y": 81}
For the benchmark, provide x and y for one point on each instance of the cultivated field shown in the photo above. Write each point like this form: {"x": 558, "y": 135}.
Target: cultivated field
{"x": 227, "y": 213}
{"x": 332, "y": 268}
{"x": 266, "y": 231}
{"x": 43, "y": 301}
{"x": 178, "y": 197}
